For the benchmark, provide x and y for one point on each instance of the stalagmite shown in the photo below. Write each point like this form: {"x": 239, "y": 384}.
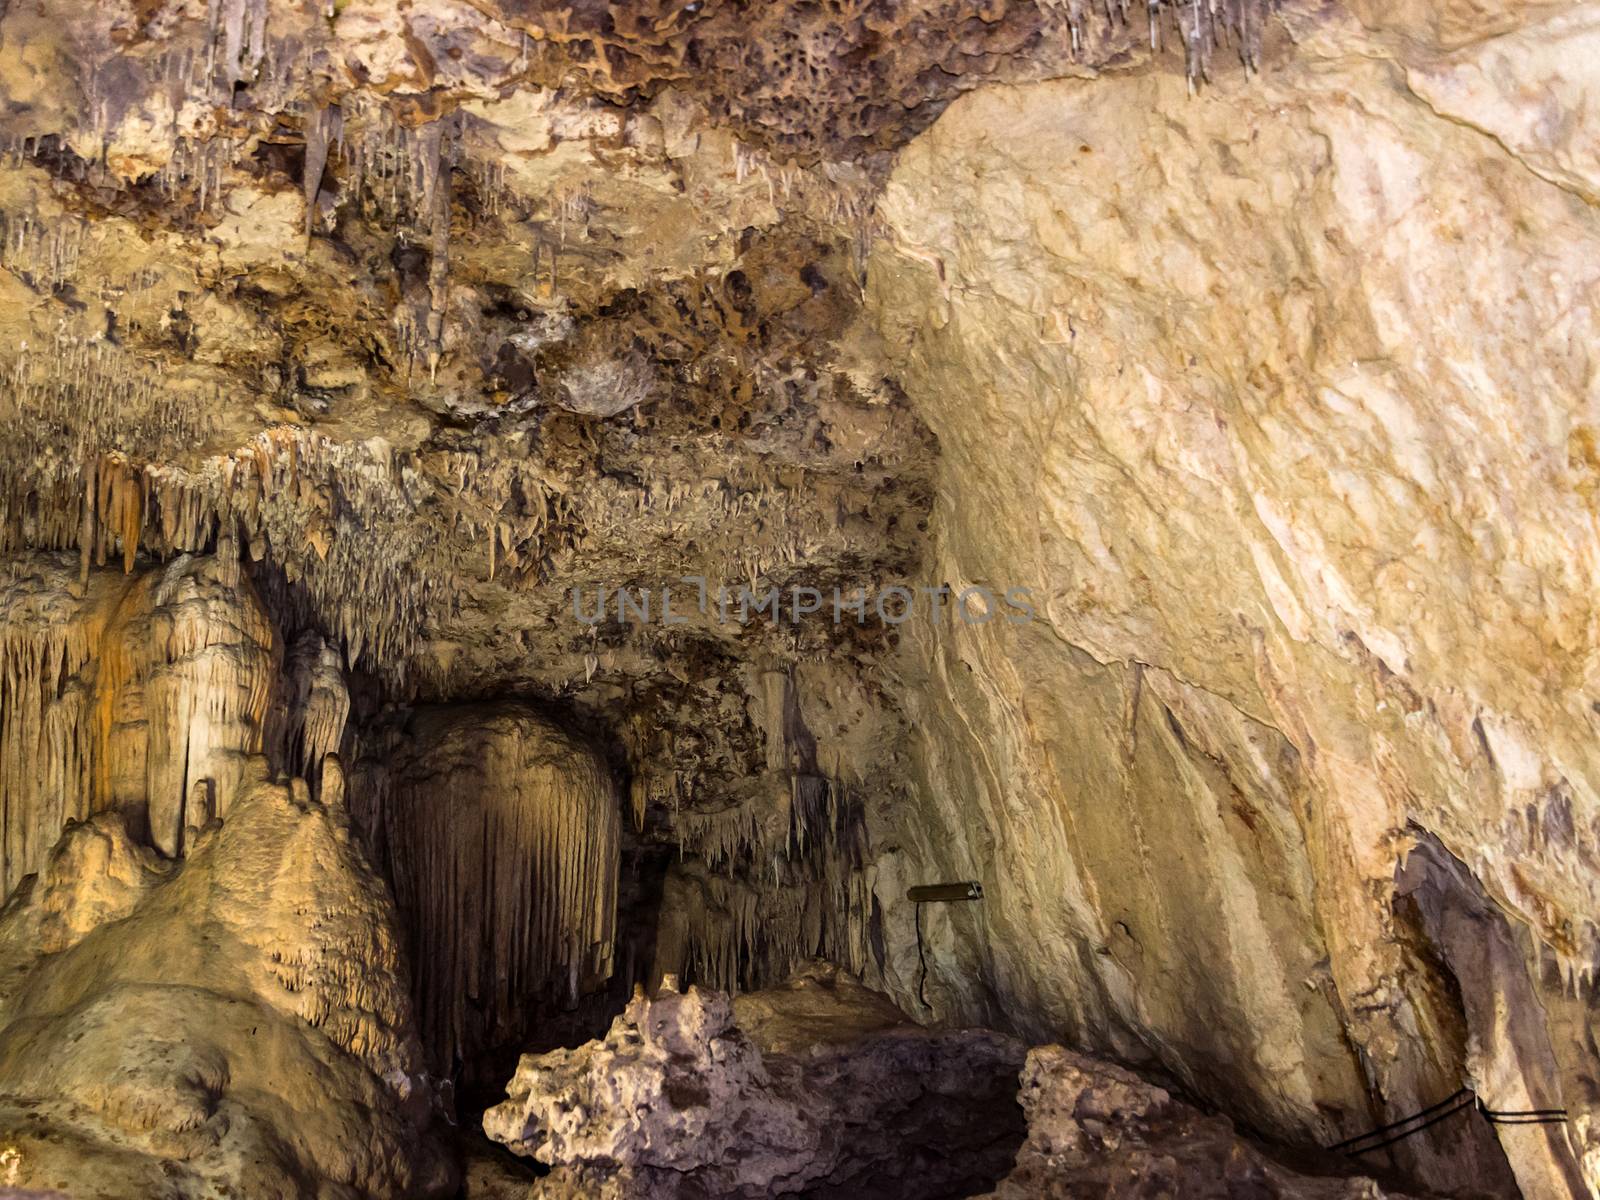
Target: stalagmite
{"x": 242, "y": 991}
{"x": 186, "y": 672}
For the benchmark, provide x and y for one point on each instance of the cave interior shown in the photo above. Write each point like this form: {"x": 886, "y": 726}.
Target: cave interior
{"x": 631, "y": 599}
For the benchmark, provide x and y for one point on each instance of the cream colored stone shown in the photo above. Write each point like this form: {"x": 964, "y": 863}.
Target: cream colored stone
{"x": 234, "y": 1025}
{"x": 1280, "y": 397}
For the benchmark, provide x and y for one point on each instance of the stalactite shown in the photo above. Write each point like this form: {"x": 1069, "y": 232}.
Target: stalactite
{"x": 125, "y": 694}
{"x": 432, "y": 182}
{"x": 306, "y": 724}
{"x": 236, "y": 36}
{"x": 501, "y": 834}
{"x": 323, "y": 128}
{"x": 1203, "y": 25}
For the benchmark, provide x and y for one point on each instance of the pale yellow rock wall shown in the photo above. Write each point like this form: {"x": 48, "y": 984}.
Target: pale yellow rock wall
{"x": 1282, "y": 398}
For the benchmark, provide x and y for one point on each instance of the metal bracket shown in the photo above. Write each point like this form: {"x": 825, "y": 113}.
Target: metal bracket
{"x": 928, "y": 893}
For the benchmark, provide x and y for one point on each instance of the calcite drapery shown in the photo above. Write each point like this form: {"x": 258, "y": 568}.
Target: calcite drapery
{"x": 143, "y": 693}
{"x": 500, "y": 832}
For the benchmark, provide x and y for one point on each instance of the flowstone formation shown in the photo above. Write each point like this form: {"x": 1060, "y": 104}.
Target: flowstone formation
{"x": 236, "y": 1023}
{"x": 146, "y": 692}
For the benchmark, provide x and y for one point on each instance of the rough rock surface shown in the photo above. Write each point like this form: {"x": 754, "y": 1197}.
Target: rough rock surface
{"x": 678, "y": 1099}
{"x": 234, "y": 1024}
{"x": 1096, "y": 1130}
{"x": 1284, "y": 406}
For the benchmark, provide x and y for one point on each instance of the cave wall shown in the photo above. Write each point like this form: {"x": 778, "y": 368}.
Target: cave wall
{"x": 1284, "y": 407}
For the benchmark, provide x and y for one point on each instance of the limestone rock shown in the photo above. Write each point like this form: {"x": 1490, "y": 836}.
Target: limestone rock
{"x": 678, "y": 1096}
{"x": 1280, "y": 406}
{"x": 1097, "y": 1130}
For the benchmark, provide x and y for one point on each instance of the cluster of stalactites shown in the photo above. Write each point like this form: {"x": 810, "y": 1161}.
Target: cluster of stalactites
{"x": 798, "y": 816}
{"x": 502, "y": 837}
{"x": 306, "y": 727}
{"x": 337, "y": 515}
{"x": 733, "y": 935}
{"x": 348, "y": 522}
{"x": 403, "y": 172}
{"x": 766, "y": 883}
{"x": 46, "y": 762}
{"x": 44, "y": 254}
{"x": 146, "y": 694}
{"x": 68, "y": 397}
{"x": 1202, "y": 25}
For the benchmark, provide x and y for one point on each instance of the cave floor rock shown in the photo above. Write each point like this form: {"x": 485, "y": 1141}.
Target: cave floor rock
{"x": 818, "y": 1088}
{"x": 822, "y": 1088}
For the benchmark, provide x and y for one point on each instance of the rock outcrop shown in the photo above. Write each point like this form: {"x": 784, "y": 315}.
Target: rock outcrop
{"x": 234, "y": 1023}
{"x": 818, "y": 1088}
{"x": 1097, "y": 1130}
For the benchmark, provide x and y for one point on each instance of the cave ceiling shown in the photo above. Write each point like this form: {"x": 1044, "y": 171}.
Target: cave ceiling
{"x": 440, "y": 311}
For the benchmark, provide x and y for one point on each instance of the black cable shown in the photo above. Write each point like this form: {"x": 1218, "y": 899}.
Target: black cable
{"x": 1525, "y": 1116}
{"x": 1444, "y": 1109}
{"x": 1522, "y": 1116}
{"x": 1432, "y": 1108}
{"x": 1466, "y": 1103}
